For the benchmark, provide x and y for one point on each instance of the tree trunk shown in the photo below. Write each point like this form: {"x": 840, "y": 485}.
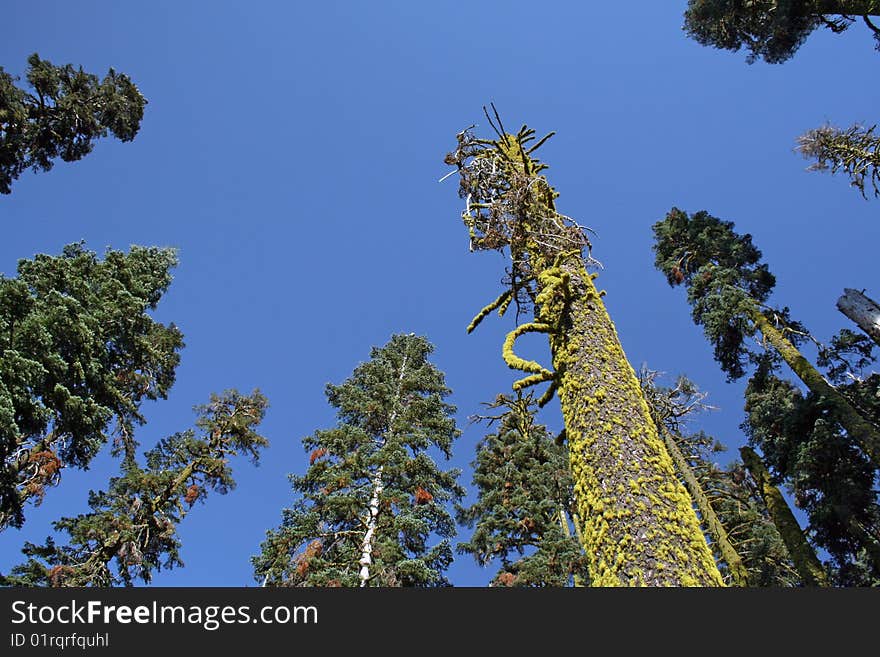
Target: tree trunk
{"x": 739, "y": 575}
{"x": 566, "y": 530}
{"x": 802, "y": 554}
{"x": 366, "y": 559}
{"x": 639, "y": 526}
{"x": 861, "y": 431}
{"x": 861, "y": 309}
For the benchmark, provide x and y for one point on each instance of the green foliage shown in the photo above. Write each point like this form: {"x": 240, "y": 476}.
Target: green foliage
{"x": 855, "y": 151}
{"x": 771, "y": 30}
{"x": 78, "y": 355}
{"x": 806, "y": 446}
{"x": 65, "y": 112}
{"x": 134, "y": 522}
{"x": 525, "y": 493}
{"x": 390, "y": 412}
{"x": 724, "y": 277}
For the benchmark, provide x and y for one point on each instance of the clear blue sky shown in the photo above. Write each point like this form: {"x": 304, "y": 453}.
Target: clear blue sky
{"x": 291, "y": 152}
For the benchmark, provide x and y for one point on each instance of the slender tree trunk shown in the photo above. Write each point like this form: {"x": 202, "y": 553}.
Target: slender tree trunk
{"x": 739, "y": 575}
{"x": 563, "y": 522}
{"x": 860, "y": 429}
{"x": 802, "y": 554}
{"x": 861, "y": 309}
{"x": 366, "y": 559}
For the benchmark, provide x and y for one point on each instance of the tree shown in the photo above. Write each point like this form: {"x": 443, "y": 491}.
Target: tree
{"x": 727, "y": 286}
{"x": 67, "y": 110}
{"x": 862, "y": 310}
{"x": 772, "y": 30}
{"x": 525, "y": 496}
{"x": 134, "y": 523}
{"x": 831, "y": 479}
{"x": 639, "y": 527}
{"x": 372, "y": 497}
{"x": 803, "y": 555}
{"x": 855, "y": 151}
{"x": 79, "y": 353}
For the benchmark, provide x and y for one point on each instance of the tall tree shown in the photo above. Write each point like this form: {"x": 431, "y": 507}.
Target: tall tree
{"x": 727, "y": 287}
{"x": 134, "y": 523}
{"x": 802, "y": 553}
{"x": 372, "y": 497}
{"x": 855, "y": 151}
{"x": 79, "y": 353}
{"x": 832, "y": 480}
{"x": 522, "y": 514}
{"x": 772, "y": 30}
{"x": 61, "y": 116}
{"x": 639, "y": 527}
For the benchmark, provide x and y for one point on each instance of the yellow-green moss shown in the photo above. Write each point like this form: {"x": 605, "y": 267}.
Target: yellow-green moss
{"x": 637, "y": 522}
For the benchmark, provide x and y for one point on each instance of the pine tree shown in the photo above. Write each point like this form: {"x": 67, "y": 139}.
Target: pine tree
{"x": 79, "y": 353}
{"x": 772, "y": 30}
{"x": 727, "y": 287}
{"x": 805, "y": 445}
{"x": 639, "y": 527}
{"x": 372, "y": 498}
{"x": 133, "y": 524}
{"x": 522, "y": 515}
{"x": 855, "y": 151}
{"x": 66, "y": 110}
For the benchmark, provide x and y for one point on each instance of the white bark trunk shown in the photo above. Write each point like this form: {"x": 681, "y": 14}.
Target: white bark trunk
{"x": 862, "y": 310}
{"x": 366, "y": 559}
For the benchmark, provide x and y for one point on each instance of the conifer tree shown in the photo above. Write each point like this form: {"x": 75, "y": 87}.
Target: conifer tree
{"x": 373, "y": 500}
{"x": 61, "y": 116}
{"x": 855, "y": 151}
{"x": 727, "y": 287}
{"x": 805, "y": 445}
{"x": 79, "y": 353}
{"x": 522, "y": 515}
{"x": 639, "y": 527}
{"x": 133, "y": 524}
{"x": 772, "y": 30}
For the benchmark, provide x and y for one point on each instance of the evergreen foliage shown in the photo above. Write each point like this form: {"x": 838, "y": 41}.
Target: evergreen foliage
{"x": 771, "y": 30}
{"x": 373, "y": 471}
{"x": 133, "y": 524}
{"x": 525, "y": 500}
{"x": 79, "y": 353}
{"x": 66, "y": 110}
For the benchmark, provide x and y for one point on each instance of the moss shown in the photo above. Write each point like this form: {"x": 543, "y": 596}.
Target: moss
{"x": 637, "y": 522}
{"x": 802, "y": 553}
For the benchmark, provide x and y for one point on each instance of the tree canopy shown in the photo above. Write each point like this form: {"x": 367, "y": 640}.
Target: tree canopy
{"x": 61, "y": 116}
{"x": 79, "y": 353}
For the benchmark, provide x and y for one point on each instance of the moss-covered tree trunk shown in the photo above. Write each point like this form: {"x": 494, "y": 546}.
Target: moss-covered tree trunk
{"x": 639, "y": 523}
{"x": 862, "y": 310}
{"x": 860, "y": 429}
{"x": 802, "y": 554}
{"x": 739, "y": 575}
{"x": 639, "y": 527}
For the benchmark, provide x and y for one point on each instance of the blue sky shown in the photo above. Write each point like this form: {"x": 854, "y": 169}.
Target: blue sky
{"x": 292, "y": 151}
